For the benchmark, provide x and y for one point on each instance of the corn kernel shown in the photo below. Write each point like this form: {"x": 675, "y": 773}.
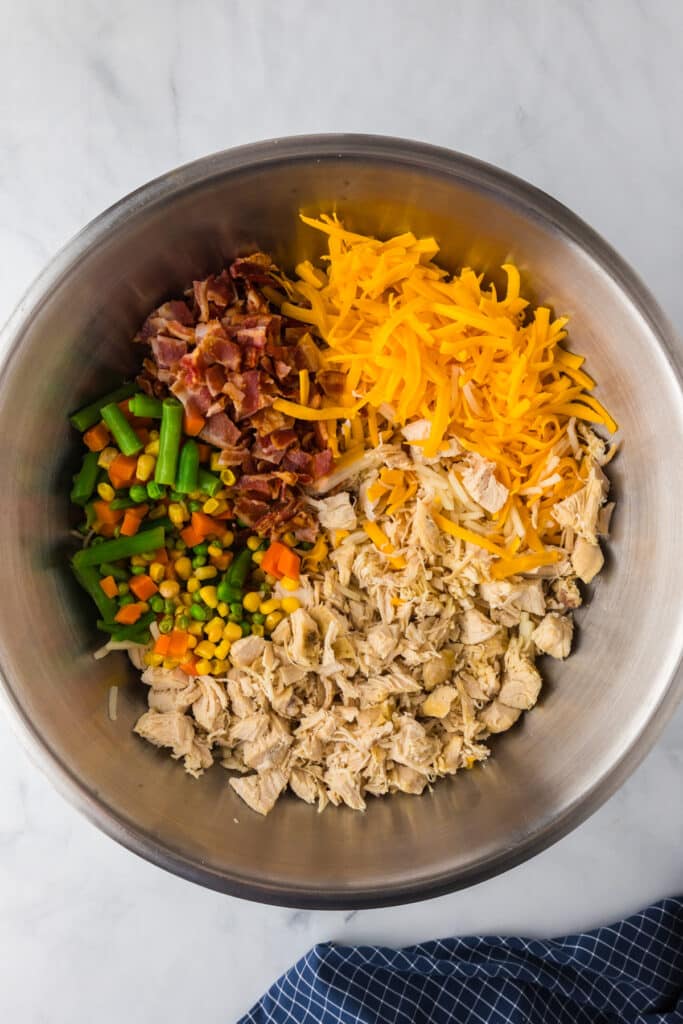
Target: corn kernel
{"x": 205, "y": 572}
{"x": 154, "y": 435}
{"x": 153, "y": 660}
{"x": 227, "y": 477}
{"x": 145, "y": 467}
{"x": 210, "y": 506}
{"x": 287, "y": 583}
{"x": 273, "y": 620}
{"x": 205, "y": 649}
{"x": 223, "y": 562}
{"x": 157, "y": 512}
{"x": 191, "y": 642}
{"x": 213, "y": 551}
{"x": 290, "y": 604}
{"x": 257, "y": 557}
{"x": 183, "y": 567}
{"x": 169, "y": 588}
{"x": 214, "y": 461}
{"x": 228, "y": 539}
{"x": 222, "y": 649}
{"x": 106, "y": 492}
{"x": 253, "y": 542}
{"x": 289, "y": 538}
{"x": 272, "y": 605}
{"x": 152, "y": 448}
{"x": 257, "y": 630}
{"x": 271, "y": 580}
{"x": 176, "y": 513}
{"x": 232, "y": 632}
{"x": 214, "y": 630}
{"x": 223, "y": 608}
{"x": 157, "y": 571}
{"x": 171, "y": 662}
{"x": 251, "y": 601}
{"x": 106, "y": 457}
{"x": 203, "y": 667}
{"x": 196, "y": 628}
{"x": 193, "y": 585}
{"x": 219, "y": 667}
{"x": 208, "y": 596}
{"x": 143, "y": 606}
{"x": 186, "y": 599}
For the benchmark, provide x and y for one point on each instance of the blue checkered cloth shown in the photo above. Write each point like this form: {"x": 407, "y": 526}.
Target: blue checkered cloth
{"x": 631, "y": 972}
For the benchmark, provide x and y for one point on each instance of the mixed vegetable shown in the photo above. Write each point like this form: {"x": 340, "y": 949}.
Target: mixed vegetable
{"x": 161, "y": 542}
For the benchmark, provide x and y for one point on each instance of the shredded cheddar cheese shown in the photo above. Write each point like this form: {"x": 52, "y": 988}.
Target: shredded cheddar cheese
{"x": 481, "y": 367}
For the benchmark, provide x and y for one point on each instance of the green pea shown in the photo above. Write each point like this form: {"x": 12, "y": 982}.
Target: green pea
{"x": 138, "y": 493}
{"x": 235, "y": 618}
{"x": 237, "y": 609}
{"x": 156, "y": 604}
{"x": 198, "y": 613}
{"x": 246, "y": 628}
{"x": 258, "y": 618}
{"x": 241, "y": 524}
{"x": 137, "y": 570}
{"x": 183, "y": 622}
{"x": 198, "y": 561}
{"x": 194, "y": 506}
{"x": 201, "y": 549}
{"x": 176, "y": 496}
{"x": 126, "y": 599}
{"x": 169, "y": 606}
{"x": 166, "y": 625}
{"x": 123, "y": 589}
{"x": 180, "y": 545}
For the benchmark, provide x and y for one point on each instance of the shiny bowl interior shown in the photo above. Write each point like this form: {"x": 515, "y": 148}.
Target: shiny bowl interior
{"x": 600, "y": 711}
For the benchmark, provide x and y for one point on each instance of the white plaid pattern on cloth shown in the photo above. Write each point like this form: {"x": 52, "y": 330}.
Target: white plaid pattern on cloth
{"x": 631, "y": 971}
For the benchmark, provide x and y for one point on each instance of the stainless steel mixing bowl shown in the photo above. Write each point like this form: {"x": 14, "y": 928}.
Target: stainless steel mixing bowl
{"x": 600, "y": 711}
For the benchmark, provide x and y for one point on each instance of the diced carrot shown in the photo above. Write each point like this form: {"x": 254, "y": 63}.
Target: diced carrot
{"x": 129, "y": 614}
{"x": 143, "y": 586}
{"x": 206, "y": 525}
{"x": 162, "y": 644}
{"x": 122, "y": 471}
{"x": 135, "y": 421}
{"x": 109, "y": 586}
{"x": 130, "y": 524}
{"x": 271, "y": 559}
{"x": 177, "y": 647}
{"x": 143, "y": 434}
{"x": 191, "y": 537}
{"x": 105, "y": 514}
{"x": 189, "y": 666}
{"x": 193, "y": 422}
{"x": 161, "y": 555}
{"x": 104, "y": 529}
{"x": 289, "y": 564}
{"x": 222, "y": 516}
{"x": 97, "y": 437}
{"x": 204, "y": 452}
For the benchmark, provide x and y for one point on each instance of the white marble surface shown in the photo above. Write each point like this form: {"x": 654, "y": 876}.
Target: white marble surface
{"x": 580, "y": 98}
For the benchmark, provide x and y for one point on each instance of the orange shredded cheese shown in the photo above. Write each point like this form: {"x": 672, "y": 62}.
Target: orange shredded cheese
{"x": 480, "y": 366}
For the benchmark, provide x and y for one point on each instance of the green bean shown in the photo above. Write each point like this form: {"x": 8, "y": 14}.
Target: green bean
{"x": 121, "y": 430}
{"x": 113, "y": 570}
{"x": 122, "y": 547}
{"x": 148, "y": 524}
{"x": 145, "y": 407}
{"x": 122, "y": 503}
{"x": 91, "y": 414}
{"x": 188, "y": 468}
{"x": 85, "y": 479}
{"x": 169, "y": 442}
{"x": 236, "y": 576}
{"x": 89, "y": 579}
{"x": 154, "y": 491}
{"x": 208, "y": 483}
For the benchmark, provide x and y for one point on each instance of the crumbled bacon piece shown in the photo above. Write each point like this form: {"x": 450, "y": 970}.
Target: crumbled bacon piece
{"x": 227, "y": 356}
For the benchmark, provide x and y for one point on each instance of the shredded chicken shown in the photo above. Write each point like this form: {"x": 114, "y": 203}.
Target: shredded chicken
{"x": 398, "y": 667}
